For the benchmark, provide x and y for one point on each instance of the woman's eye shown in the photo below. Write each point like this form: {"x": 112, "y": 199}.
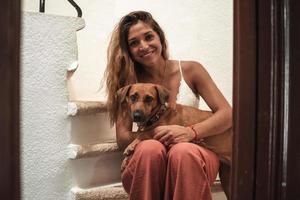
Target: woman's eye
{"x": 149, "y": 37}
{"x": 133, "y": 43}
{"x": 133, "y": 98}
{"x": 148, "y": 99}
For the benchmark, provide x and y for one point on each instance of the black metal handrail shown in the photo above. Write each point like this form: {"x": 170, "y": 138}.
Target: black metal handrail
{"x": 78, "y": 9}
{"x": 42, "y": 6}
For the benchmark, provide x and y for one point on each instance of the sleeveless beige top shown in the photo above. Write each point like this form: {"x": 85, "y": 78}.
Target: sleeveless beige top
{"x": 185, "y": 95}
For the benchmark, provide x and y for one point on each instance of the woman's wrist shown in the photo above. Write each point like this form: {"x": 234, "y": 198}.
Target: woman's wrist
{"x": 194, "y": 133}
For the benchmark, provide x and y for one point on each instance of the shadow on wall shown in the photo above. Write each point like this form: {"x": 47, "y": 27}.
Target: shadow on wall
{"x": 90, "y": 129}
{"x": 98, "y": 171}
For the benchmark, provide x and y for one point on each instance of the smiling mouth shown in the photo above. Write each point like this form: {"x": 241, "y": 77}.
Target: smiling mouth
{"x": 145, "y": 55}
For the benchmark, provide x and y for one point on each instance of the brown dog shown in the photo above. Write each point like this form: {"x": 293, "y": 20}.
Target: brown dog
{"x": 149, "y": 107}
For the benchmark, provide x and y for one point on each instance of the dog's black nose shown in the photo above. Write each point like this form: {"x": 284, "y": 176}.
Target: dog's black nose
{"x": 137, "y": 116}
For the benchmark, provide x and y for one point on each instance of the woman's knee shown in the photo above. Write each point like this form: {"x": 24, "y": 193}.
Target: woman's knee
{"x": 183, "y": 150}
{"x": 151, "y": 148}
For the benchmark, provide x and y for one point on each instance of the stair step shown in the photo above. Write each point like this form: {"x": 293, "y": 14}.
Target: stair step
{"x": 86, "y": 107}
{"x": 97, "y": 171}
{"x": 91, "y": 150}
{"x": 108, "y": 192}
{"x": 117, "y": 192}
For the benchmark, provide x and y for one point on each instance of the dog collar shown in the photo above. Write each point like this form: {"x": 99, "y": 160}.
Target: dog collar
{"x": 153, "y": 119}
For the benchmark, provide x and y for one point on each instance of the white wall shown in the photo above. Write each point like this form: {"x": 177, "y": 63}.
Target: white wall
{"x": 200, "y": 30}
{"x": 48, "y": 47}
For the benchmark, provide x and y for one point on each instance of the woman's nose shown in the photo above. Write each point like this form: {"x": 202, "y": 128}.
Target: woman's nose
{"x": 143, "y": 45}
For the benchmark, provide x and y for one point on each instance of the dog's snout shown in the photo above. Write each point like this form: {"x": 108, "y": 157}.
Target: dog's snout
{"x": 138, "y": 116}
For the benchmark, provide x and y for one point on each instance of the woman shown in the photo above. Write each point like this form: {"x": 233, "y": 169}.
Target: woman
{"x": 170, "y": 166}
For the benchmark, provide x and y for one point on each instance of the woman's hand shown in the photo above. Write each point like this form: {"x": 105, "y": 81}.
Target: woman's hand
{"x": 173, "y": 134}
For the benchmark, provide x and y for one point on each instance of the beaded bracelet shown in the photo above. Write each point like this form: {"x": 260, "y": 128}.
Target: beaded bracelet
{"x": 195, "y": 132}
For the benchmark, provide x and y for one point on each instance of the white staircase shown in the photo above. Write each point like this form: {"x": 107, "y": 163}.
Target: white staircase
{"x": 94, "y": 155}
{"x": 104, "y": 183}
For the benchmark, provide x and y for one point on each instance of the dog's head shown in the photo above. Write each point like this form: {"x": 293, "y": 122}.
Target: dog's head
{"x": 142, "y": 99}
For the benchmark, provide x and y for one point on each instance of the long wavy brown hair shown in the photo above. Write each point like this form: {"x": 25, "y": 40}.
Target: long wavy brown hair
{"x": 121, "y": 69}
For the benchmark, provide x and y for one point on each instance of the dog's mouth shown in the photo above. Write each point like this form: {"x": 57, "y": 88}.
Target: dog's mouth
{"x": 138, "y": 116}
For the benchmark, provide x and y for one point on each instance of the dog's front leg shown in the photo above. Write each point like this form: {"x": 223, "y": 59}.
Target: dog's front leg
{"x": 128, "y": 153}
{"x": 130, "y": 148}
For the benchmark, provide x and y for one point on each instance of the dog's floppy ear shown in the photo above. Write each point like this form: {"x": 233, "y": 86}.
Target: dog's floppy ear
{"x": 163, "y": 94}
{"x": 122, "y": 93}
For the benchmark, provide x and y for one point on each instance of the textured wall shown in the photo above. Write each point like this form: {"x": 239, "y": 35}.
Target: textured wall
{"x": 48, "y": 48}
{"x": 196, "y": 30}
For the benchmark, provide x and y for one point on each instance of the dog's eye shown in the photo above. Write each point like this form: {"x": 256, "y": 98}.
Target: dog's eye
{"x": 132, "y": 98}
{"x": 148, "y": 99}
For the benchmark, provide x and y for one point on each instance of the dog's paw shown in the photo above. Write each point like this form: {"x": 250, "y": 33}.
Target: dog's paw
{"x": 130, "y": 148}
{"x": 124, "y": 164}
{"x": 128, "y": 151}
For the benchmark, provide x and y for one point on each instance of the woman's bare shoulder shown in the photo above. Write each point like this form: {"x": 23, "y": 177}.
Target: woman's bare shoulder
{"x": 191, "y": 66}
{"x": 193, "y": 70}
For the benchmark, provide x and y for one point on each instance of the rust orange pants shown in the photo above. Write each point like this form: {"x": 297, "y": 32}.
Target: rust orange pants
{"x": 185, "y": 172}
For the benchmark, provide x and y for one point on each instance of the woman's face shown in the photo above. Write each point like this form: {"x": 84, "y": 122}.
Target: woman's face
{"x": 144, "y": 44}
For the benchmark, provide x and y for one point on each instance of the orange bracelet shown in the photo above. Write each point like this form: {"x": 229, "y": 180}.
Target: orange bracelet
{"x": 194, "y": 131}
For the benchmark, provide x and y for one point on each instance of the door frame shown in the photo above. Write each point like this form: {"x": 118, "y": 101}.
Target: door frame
{"x": 266, "y": 157}
{"x": 10, "y": 98}
{"x": 265, "y": 97}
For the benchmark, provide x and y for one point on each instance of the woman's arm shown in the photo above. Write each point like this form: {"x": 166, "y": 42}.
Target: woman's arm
{"x": 221, "y": 119}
